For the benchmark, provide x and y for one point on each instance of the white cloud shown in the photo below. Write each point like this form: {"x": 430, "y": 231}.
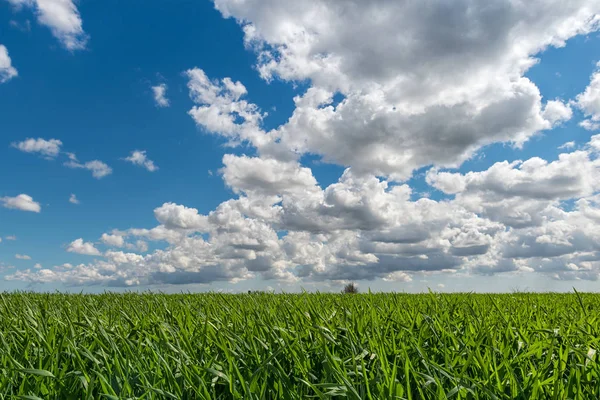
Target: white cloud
{"x": 267, "y": 176}
{"x": 80, "y": 247}
{"x": 589, "y": 125}
{"x": 398, "y": 276}
{"x": 392, "y": 86}
{"x": 112, "y": 240}
{"x": 98, "y": 168}
{"x": 73, "y": 199}
{"x": 160, "y": 92}
{"x": 47, "y": 148}
{"x": 557, "y": 111}
{"x": 432, "y": 99}
{"x": 22, "y": 202}
{"x": 11, "y": 237}
{"x": 37, "y": 266}
{"x": 221, "y": 110}
{"x": 63, "y": 19}
{"x": 567, "y": 145}
{"x": 22, "y": 257}
{"x": 174, "y": 216}
{"x": 7, "y": 71}
{"x": 141, "y": 246}
{"x": 589, "y": 102}
{"x": 139, "y": 158}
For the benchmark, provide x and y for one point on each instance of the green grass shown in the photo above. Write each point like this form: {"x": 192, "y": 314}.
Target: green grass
{"x": 296, "y": 346}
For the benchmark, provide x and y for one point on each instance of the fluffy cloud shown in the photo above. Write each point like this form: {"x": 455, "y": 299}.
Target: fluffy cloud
{"x": 268, "y": 176}
{"x": 431, "y": 99}
{"x": 22, "y": 257}
{"x": 221, "y": 110}
{"x": 174, "y": 216}
{"x": 139, "y": 158}
{"x": 98, "y": 168}
{"x": 113, "y": 240}
{"x": 47, "y": 148}
{"x": 160, "y": 95}
{"x": 73, "y": 199}
{"x": 22, "y": 202}
{"x": 63, "y": 19}
{"x": 80, "y": 247}
{"x": 589, "y": 102}
{"x": 392, "y": 87}
{"x": 7, "y": 71}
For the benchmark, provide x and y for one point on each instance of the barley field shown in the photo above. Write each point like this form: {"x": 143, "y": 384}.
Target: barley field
{"x": 297, "y": 346}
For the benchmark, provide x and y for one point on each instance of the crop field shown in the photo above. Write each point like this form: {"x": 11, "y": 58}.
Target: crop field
{"x": 296, "y": 346}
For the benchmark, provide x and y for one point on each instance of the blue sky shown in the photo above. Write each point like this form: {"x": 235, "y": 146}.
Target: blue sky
{"x": 83, "y": 74}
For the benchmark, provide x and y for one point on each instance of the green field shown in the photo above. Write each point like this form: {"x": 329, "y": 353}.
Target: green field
{"x": 295, "y": 346}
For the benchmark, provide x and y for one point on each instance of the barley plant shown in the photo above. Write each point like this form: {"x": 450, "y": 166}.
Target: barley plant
{"x": 297, "y": 346}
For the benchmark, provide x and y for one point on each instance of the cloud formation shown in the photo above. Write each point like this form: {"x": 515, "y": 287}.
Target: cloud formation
{"x": 61, "y": 17}
{"x": 21, "y": 202}
{"x": 47, "y": 148}
{"x": 160, "y": 95}
{"x": 80, "y": 247}
{"x": 98, "y": 168}
{"x": 392, "y": 87}
{"x": 7, "y": 71}
{"x": 139, "y": 158}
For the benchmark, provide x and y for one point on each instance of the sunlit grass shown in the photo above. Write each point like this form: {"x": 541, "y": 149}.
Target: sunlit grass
{"x": 296, "y": 346}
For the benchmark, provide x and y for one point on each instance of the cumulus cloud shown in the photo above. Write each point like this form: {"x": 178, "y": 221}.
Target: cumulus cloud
{"x": 22, "y": 257}
{"x": 80, "y": 247}
{"x": 61, "y": 17}
{"x": 174, "y": 216}
{"x": 433, "y": 99}
{"x": 507, "y": 219}
{"x": 73, "y": 199}
{"x": 98, "y": 168}
{"x": 267, "y": 176}
{"x": 382, "y": 106}
{"x": 139, "y": 158}
{"x": 7, "y": 71}
{"x": 22, "y": 202}
{"x": 113, "y": 240}
{"x": 47, "y": 148}
{"x": 589, "y": 102}
{"x": 160, "y": 95}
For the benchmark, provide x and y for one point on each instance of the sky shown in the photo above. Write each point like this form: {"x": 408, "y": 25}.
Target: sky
{"x": 235, "y": 145}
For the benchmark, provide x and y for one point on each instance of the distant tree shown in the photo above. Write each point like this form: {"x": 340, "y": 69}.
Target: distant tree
{"x": 351, "y": 288}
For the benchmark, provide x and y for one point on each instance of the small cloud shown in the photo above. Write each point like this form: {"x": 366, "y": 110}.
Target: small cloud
{"x": 141, "y": 246}
{"x": 160, "y": 98}
{"x": 22, "y": 257}
{"x": 112, "y": 240}
{"x": 10, "y": 237}
{"x": 567, "y": 145}
{"x": 37, "y": 266}
{"x": 98, "y": 168}
{"x": 138, "y": 157}
{"x": 21, "y": 202}
{"x": 73, "y": 199}
{"x": 7, "y": 71}
{"x": 47, "y": 148}
{"x": 441, "y": 285}
{"x": 80, "y": 247}
{"x": 589, "y": 125}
